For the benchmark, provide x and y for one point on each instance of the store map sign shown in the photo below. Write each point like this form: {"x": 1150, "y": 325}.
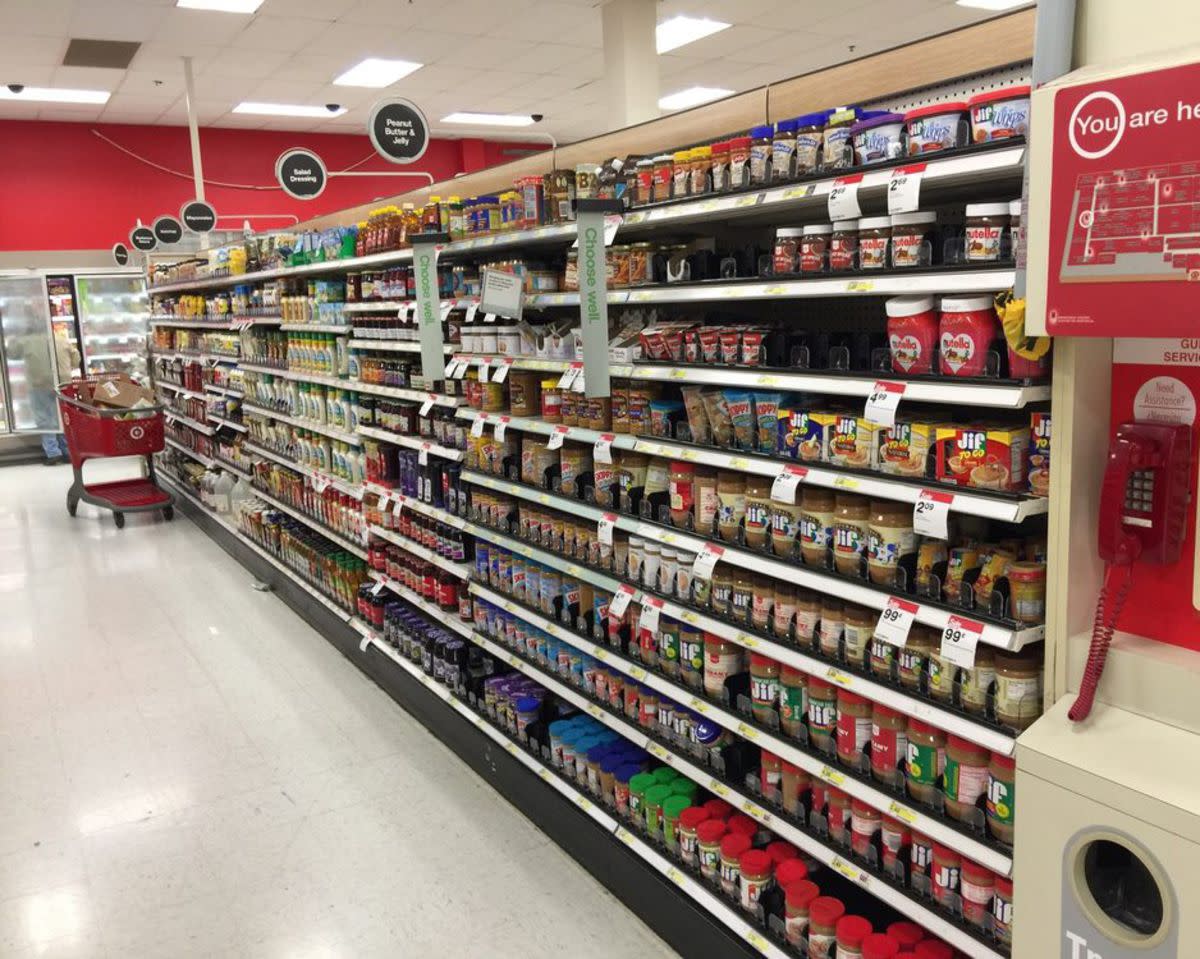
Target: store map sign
{"x": 167, "y": 229}
{"x": 120, "y": 254}
{"x": 398, "y": 130}
{"x": 198, "y": 216}
{"x": 1125, "y": 206}
{"x": 143, "y": 238}
{"x": 301, "y": 173}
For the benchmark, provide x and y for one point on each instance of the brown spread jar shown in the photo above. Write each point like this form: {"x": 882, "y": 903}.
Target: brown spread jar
{"x": 570, "y": 408}
{"x": 524, "y": 393}
{"x": 785, "y": 526}
{"x": 977, "y": 681}
{"x": 852, "y": 514}
{"x": 808, "y": 615}
{"x": 619, "y": 255}
{"x": 816, "y": 525}
{"x": 843, "y": 246}
{"x": 858, "y": 628}
{"x": 912, "y": 239}
{"x": 941, "y": 676}
{"x": 926, "y": 759}
{"x": 760, "y": 606}
{"x": 890, "y": 540}
{"x": 551, "y": 401}
{"x": 889, "y": 744}
{"x": 783, "y": 609}
{"x": 854, "y": 727}
{"x": 640, "y": 255}
{"x": 704, "y": 493}
{"x": 986, "y": 226}
{"x": 741, "y": 597}
{"x": 965, "y": 778}
{"x": 822, "y": 713}
{"x": 833, "y": 624}
{"x": 814, "y": 247}
{"x": 722, "y": 590}
{"x": 758, "y": 511}
{"x": 787, "y": 249}
{"x": 922, "y": 641}
{"x": 682, "y": 491}
{"x": 1019, "y": 687}
{"x": 874, "y": 238}
{"x": 731, "y": 504}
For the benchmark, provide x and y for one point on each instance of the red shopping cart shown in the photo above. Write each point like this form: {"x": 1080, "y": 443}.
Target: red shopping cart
{"x": 93, "y": 432}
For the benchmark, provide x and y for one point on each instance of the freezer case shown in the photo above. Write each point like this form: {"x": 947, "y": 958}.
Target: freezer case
{"x": 114, "y": 318}
{"x": 28, "y": 356}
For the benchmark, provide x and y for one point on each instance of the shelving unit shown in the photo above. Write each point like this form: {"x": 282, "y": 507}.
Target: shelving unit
{"x": 411, "y": 442}
{"x": 416, "y": 396}
{"x": 321, "y": 478}
{"x": 312, "y": 522}
{"x": 192, "y": 454}
{"x": 301, "y": 423}
{"x": 461, "y": 570}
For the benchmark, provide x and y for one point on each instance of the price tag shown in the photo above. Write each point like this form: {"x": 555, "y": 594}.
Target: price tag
{"x": 489, "y": 317}
{"x": 366, "y": 642}
{"x": 904, "y": 189}
{"x": 377, "y": 588}
{"x": 427, "y": 405}
{"x": 931, "y": 514}
{"x": 478, "y": 425}
{"x": 602, "y": 450}
{"x": 448, "y": 373}
{"x": 481, "y": 368}
{"x": 570, "y": 374}
{"x": 471, "y": 311}
{"x": 501, "y": 429}
{"x": 959, "y": 640}
{"x": 651, "y": 610}
{"x": 798, "y": 192}
{"x": 461, "y": 363}
{"x": 578, "y": 386}
{"x": 447, "y": 306}
{"x": 706, "y": 559}
{"x": 384, "y": 502}
{"x": 883, "y": 402}
{"x": 783, "y": 490}
{"x": 423, "y": 455}
{"x": 501, "y": 373}
{"x": 398, "y": 508}
{"x": 604, "y": 528}
{"x": 895, "y": 621}
{"x": 320, "y": 483}
{"x": 620, "y": 601}
{"x": 843, "y": 198}
{"x": 556, "y": 438}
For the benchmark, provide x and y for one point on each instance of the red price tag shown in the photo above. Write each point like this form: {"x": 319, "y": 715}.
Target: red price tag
{"x": 477, "y": 426}
{"x": 706, "y": 561}
{"x": 502, "y": 369}
{"x": 843, "y": 198}
{"x": 904, "y": 189}
{"x": 651, "y": 610}
{"x": 602, "y": 451}
{"x": 783, "y": 490}
{"x": 501, "y": 429}
{"x": 620, "y": 601}
{"x": 556, "y": 438}
{"x": 882, "y": 403}
{"x": 931, "y": 514}
{"x": 895, "y": 621}
{"x": 960, "y": 638}
{"x": 604, "y": 528}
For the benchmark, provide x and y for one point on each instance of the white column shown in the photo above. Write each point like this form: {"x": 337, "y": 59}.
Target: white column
{"x": 630, "y": 61}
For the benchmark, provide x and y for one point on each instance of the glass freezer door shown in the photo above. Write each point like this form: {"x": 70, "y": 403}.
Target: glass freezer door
{"x": 114, "y": 318}
{"x": 28, "y": 353}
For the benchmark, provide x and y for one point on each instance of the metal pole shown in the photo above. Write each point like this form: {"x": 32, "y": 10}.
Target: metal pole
{"x": 189, "y": 87}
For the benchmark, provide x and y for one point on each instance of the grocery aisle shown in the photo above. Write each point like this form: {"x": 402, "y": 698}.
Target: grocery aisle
{"x": 188, "y": 769}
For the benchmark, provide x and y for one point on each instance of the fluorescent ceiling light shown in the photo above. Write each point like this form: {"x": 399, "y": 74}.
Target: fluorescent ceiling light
{"x": 490, "y": 119}
{"x": 56, "y": 95}
{"x": 286, "y": 110}
{"x": 374, "y": 72}
{"x": 680, "y": 31}
{"x": 993, "y": 4}
{"x": 691, "y": 97}
{"x": 224, "y": 6}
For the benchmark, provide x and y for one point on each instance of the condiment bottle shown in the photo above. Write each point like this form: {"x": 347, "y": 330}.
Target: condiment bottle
{"x": 681, "y": 490}
{"x": 894, "y": 835}
{"x": 722, "y": 659}
{"x": 770, "y": 775}
{"x": 761, "y": 140}
{"x": 852, "y": 514}
{"x": 808, "y": 615}
{"x": 741, "y": 598}
{"x": 824, "y": 913}
{"x": 977, "y": 681}
{"x": 783, "y": 609}
{"x": 858, "y": 630}
{"x": 1002, "y": 910}
{"x": 722, "y": 590}
{"x": 977, "y": 887}
{"x": 704, "y": 495}
{"x": 926, "y": 759}
{"x": 965, "y": 778}
{"x": 760, "y": 604}
{"x": 796, "y": 782}
{"x": 689, "y": 821}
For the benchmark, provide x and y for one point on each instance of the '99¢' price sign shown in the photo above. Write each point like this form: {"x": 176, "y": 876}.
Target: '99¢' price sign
{"x": 959, "y": 641}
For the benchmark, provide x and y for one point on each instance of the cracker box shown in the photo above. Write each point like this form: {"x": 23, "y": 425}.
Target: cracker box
{"x": 804, "y": 434}
{"x": 983, "y": 457}
{"x": 1039, "y": 454}
{"x": 852, "y": 441}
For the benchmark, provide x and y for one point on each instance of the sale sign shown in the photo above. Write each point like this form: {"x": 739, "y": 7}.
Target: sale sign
{"x": 1125, "y": 206}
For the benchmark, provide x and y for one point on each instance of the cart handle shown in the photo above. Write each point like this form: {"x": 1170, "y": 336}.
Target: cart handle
{"x": 98, "y": 411}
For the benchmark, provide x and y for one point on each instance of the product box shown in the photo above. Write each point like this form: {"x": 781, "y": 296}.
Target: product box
{"x": 852, "y": 441}
{"x": 122, "y": 393}
{"x": 906, "y": 448}
{"x": 804, "y": 434}
{"x": 985, "y": 457}
{"x": 1039, "y": 454}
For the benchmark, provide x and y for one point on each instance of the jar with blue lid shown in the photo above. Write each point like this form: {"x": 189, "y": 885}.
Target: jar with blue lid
{"x": 762, "y": 141}
{"x": 783, "y": 151}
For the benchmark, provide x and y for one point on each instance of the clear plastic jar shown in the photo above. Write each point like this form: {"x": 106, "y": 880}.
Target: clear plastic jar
{"x": 889, "y": 744}
{"x": 926, "y": 759}
{"x": 853, "y": 727}
{"x": 822, "y": 713}
{"x": 874, "y": 241}
{"x": 965, "y": 777}
{"x": 814, "y": 247}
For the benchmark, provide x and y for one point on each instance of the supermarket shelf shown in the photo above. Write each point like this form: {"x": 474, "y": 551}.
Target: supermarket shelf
{"x": 933, "y": 826}
{"x": 392, "y": 346}
{"x": 994, "y": 634}
{"x": 219, "y": 421}
{"x": 982, "y": 733}
{"x": 224, "y": 391}
{"x": 517, "y": 362}
{"x": 395, "y": 306}
{"x": 193, "y": 355}
{"x": 223, "y": 325}
{"x": 416, "y": 396}
{"x": 235, "y": 470}
{"x": 412, "y": 442}
{"x": 909, "y": 907}
{"x": 182, "y": 391}
{"x": 192, "y": 454}
{"x": 314, "y": 327}
{"x": 969, "y": 502}
{"x": 337, "y": 483}
{"x": 429, "y": 609}
{"x": 188, "y": 421}
{"x": 461, "y": 570}
{"x": 726, "y": 913}
{"x": 333, "y": 433}
{"x": 126, "y": 357}
{"x": 311, "y": 521}
{"x": 417, "y": 506}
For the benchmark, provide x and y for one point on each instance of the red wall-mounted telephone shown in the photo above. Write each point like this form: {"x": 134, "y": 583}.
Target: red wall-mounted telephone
{"x": 1143, "y": 517}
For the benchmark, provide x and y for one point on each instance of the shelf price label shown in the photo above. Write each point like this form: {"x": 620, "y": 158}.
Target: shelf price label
{"x": 384, "y": 502}
{"x": 477, "y": 427}
{"x": 501, "y": 373}
{"x": 481, "y": 367}
{"x": 931, "y": 514}
{"x": 620, "y": 601}
{"x": 904, "y": 189}
{"x": 602, "y": 450}
{"x": 377, "y": 588}
{"x": 651, "y": 610}
{"x": 489, "y": 317}
{"x": 960, "y": 639}
{"x": 882, "y": 403}
{"x": 501, "y": 429}
{"x": 895, "y": 621}
{"x": 451, "y": 367}
{"x": 604, "y": 528}
{"x": 555, "y": 441}
{"x": 423, "y": 455}
{"x": 569, "y": 376}
{"x": 399, "y": 507}
{"x": 320, "y": 483}
{"x": 472, "y": 309}
{"x": 428, "y": 404}
{"x": 783, "y": 490}
{"x": 843, "y": 198}
{"x": 706, "y": 561}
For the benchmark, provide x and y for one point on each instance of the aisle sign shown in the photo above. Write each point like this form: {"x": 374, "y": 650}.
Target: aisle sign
{"x": 904, "y": 189}
{"x": 167, "y": 229}
{"x": 843, "y": 198}
{"x": 398, "y": 130}
{"x": 895, "y": 621}
{"x": 429, "y": 321}
{"x": 882, "y": 403}
{"x": 301, "y": 173}
{"x": 120, "y": 254}
{"x": 959, "y": 640}
{"x": 198, "y": 216}
{"x": 143, "y": 238}
{"x": 931, "y": 514}
{"x": 783, "y": 490}
{"x": 590, "y": 227}
{"x": 503, "y": 293}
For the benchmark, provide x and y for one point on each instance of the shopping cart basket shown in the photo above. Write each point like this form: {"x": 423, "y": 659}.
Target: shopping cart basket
{"x": 93, "y": 432}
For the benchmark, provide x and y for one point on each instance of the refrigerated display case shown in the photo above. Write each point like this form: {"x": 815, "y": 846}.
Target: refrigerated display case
{"x": 64, "y": 318}
{"x": 27, "y": 359}
{"x": 114, "y": 317}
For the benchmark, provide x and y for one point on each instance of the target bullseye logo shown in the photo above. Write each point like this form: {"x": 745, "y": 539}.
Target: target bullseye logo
{"x": 1086, "y": 219}
{"x": 137, "y": 432}
{"x": 1097, "y": 125}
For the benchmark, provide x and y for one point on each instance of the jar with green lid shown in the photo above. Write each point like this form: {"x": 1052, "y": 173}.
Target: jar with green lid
{"x": 656, "y": 795}
{"x": 822, "y": 713}
{"x": 682, "y": 786}
{"x": 638, "y": 785}
{"x": 664, "y": 775}
{"x": 672, "y": 807}
{"x": 792, "y": 699}
{"x": 691, "y": 656}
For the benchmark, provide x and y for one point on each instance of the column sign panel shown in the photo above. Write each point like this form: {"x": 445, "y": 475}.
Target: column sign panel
{"x": 1125, "y": 206}
{"x": 429, "y": 319}
{"x": 593, "y": 301}
{"x": 301, "y": 174}
{"x": 399, "y": 130}
{"x": 120, "y": 254}
{"x": 198, "y": 216}
{"x": 143, "y": 238}
{"x": 167, "y": 229}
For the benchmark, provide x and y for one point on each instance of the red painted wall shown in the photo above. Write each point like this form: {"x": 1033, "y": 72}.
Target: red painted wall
{"x": 63, "y": 188}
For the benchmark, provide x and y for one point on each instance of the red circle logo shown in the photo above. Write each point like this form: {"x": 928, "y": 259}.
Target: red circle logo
{"x": 1097, "y": 125}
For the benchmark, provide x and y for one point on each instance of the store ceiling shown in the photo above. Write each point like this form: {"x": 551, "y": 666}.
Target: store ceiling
{"x": 542, "y": 56}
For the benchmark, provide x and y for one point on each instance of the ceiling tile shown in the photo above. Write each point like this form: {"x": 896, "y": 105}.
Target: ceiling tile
{"x": 328, "y": 10}
{"x": 184, "y": 29}
{"x": 88, "y": 78}
{"x": 164, "y": 56}
{"x": 272, "y": 90}
{"x": 42, "y": 17}
{"x": 389, "y": 13}
{"x": 234, "y": 63}
{"x": 288, "y": 33}
{"x": 117, "y": 20}
{"x": 555, "y": 23}
{"x": 32, "y": 51}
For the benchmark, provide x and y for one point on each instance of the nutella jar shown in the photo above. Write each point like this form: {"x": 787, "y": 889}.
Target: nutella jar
{"x": 986, "y": 227}
{"x": 912, "y": 239}
{"x": 787, "y": 249}
{"x": 874, "y": 238}
{"x": 843, "y": 246}
{"x": 814, "y": 247}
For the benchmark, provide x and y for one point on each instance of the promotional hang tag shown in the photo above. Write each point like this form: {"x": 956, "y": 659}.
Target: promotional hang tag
{"x": 895, "y": 621}
{"x": 427, "y": 405}
{"x": 604, "y": 528}
{"x": 960, "y": 638}
{"x": 620, "y": 601}
{"x": 501, "y": 429}
{"x": 481, "y": 369}
{"x": 477, "y": 426}
{"x": 602, "y": 450}
{"x": 931, "y": 514}
{"x": 706, "y": 561}
{"x": 783, "y": 490}
{"x": 555, "y": 441}
{"x": 651, "y": 610}
{"x": 501, "y": 372}
{"x": 882, "y": 403}
{"x": 423, "y": 455}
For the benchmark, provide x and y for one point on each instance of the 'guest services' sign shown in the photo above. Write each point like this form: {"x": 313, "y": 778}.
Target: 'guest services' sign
{"x": 398, "y": 130}
{"x": 301, "y": 173}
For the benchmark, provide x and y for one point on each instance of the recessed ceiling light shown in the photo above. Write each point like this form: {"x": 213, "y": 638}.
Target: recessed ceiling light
{"x": 374, "y": 72}
{"x": 691, "y": 97}
{"x": 490, "y": 119}
{"x": 224, "y": 6}
{"x": 680, "y": 31}
{"x": 286, "y": 109}
{"x": 993, "y": 4}
{"x": 55, "y": 95}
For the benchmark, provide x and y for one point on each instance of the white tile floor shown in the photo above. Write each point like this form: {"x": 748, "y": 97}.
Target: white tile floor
{"x": 187, "y": 769}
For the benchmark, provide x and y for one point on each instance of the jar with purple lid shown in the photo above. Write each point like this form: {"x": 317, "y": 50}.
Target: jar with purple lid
{"x": 878, "y": 138}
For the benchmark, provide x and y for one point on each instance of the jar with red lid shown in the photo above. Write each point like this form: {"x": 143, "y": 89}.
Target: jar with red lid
{"x": 945, "y": 874}
{"x": 865, "y": 823}
{"x": 732, "y": 847}
{"x": 999, "y": 114}
{"x": 837, "y": 815}
{"x": 912, "y": 329}
{"x": 851, "y": 931}
{"x": 977, "y": 886}
{"x": 880, "y": 946}
{"x": 755, "y": 877}
{"x": 789, "y": 867}
{"x": 889, "y": 744}
{"x": 720, "y": 166}
{"x": 739, "y": 163}
{"x": 853, "y": 727}
{"x": 787, "y": 249}
{"x": 912, "y": 239}
{"x": 798, "y": 898}
{"x": 843, "y": 246}
{"x": 814, "y": 247}
{"x": 906, "y": 934}
{"x": 1002, "y": 910}
{"x": 708, "y": 847}
{"x": 920, "y": 854}
{"x": 966, "y": 332}
{"x": 823, "y": 915}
